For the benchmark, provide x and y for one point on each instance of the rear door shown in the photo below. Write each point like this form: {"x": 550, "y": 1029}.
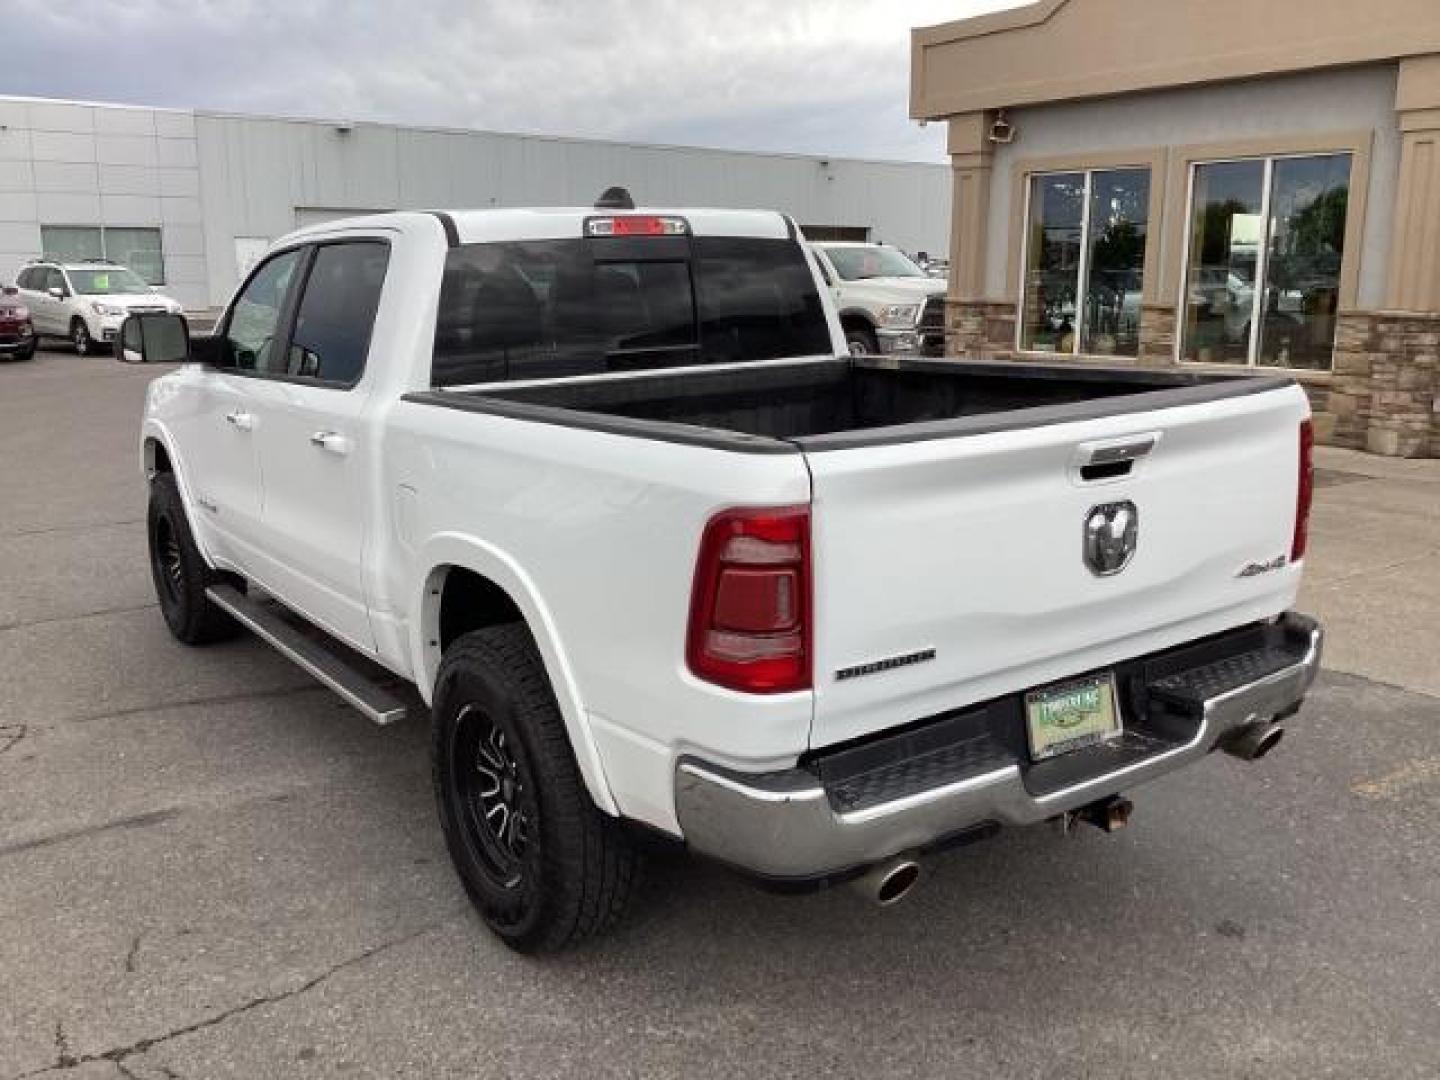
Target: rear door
{"x": 313, "y": 446}
{"x": 953, "y": 570}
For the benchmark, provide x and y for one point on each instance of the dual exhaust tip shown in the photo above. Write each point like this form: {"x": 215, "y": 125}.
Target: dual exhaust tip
{"x": 887, "y": 883}
{"x": 891, "y": 881}
{"x": 1253, "y": 741}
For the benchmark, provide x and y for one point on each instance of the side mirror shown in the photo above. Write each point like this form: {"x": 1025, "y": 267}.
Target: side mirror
{"x": 57, "y": 292}
{"x": 154, "y": 339}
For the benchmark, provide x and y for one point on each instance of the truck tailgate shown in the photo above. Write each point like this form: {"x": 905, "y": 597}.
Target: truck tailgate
{"x": 950, "y": 571}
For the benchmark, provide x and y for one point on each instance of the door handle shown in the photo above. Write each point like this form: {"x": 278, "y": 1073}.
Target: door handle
{"x": 332, "y": 441}
{"x": 239, "y": 419}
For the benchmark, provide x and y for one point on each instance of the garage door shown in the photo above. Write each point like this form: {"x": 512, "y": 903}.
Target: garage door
{"x": 821, "y": 233}
{"x": 318, "y": 215}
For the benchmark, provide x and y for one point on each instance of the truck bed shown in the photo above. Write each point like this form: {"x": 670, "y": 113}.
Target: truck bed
{"x": 848, "y": 402}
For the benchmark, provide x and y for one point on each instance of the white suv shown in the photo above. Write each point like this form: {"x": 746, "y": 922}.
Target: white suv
{"x": 85, "y": 302}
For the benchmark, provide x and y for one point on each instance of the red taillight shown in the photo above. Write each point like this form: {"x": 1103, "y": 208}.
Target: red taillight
{"x": 750, "y": 610}
{"x": 1305, "y": 493}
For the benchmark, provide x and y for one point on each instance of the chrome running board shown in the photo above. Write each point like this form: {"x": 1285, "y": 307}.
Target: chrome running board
{"x": 319, "y": 656}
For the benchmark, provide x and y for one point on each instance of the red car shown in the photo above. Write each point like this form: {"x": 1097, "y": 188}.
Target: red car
{"x": 17, "y": 333}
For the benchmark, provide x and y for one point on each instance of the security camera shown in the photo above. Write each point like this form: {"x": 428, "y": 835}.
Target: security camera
{"x": 1002, "y": 131}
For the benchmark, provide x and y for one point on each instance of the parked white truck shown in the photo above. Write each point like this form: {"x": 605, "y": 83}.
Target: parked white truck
{"x": 658, "y": 554}
{"x": 887, "y": 304}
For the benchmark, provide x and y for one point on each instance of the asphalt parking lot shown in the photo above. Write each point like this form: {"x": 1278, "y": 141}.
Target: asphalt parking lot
{"x": 210, "y": 867}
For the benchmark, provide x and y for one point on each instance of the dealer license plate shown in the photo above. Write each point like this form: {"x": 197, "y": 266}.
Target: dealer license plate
{"x": 1071, "y": 716}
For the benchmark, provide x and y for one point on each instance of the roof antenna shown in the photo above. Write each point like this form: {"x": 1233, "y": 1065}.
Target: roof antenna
{"x": 615, "y": 198}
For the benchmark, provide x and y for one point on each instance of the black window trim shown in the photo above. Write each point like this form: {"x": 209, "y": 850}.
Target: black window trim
{"x": 289, "y": 310}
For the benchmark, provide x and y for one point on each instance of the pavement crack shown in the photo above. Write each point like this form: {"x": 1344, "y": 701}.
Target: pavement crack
{"x": 10, "y": 735}
{"x": 1336, "y": 582}
{"x": 130, "y": 955}
{"x": 131, "y": 821}
{"x": 63, "y": 1058}
{"x": 118, "y": 1055}
{"x": 83, "y": 527}
{"x": 309, "y": 687}
{"x": 79, "y": 617}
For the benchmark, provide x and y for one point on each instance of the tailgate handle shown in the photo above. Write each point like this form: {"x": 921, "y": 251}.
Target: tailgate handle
{"x": 1111, "y": 460}
{"x": 1110, "y": 453}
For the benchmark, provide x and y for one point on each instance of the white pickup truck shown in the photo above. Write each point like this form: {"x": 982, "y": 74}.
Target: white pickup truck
{"x": 661, "y": 557}
{"x": 887, "y": 304}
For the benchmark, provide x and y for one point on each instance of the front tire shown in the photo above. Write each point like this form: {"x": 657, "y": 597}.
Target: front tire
{"x": 80, "y": 338}
{"x": 541, "y": 863}
{"x": 179, "y": 571}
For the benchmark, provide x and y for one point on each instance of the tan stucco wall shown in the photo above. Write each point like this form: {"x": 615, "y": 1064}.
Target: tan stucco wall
{"x": 1255, "y": 116}
{"x": 1061, "y": 50}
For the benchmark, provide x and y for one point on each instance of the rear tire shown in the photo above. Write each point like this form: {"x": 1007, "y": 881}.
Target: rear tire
{"x": 861, "y": 342}
{"x": 179, "y": 571}
{"x": 80, "y": 338}
{"x": 541, "y": 863}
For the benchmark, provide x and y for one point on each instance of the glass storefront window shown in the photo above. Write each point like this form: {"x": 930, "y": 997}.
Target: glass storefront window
{"x": 1085, "y": 262}
{"x": 1267, "y": 238}
{"x": 71, "y": 243}
{"x": 1307, "y": 244}
{"x": 139, "y": 249}
{"x": 1119, "y": 212}
{"x": 1052, "y": 262}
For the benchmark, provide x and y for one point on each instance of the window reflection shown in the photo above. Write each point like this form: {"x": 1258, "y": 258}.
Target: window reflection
{"x": 1225, "y": 232}
{"x": 1281, "y": 220}
{"x": 1307, "y": 244}
{"x": 1052, "y": 262}
{"x": 1119, "y": 213}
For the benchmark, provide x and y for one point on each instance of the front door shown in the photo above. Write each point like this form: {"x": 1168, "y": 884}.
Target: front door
{"x": 218, "y": 433}
{"x": 45, "y": 309}
{"x": 315, "y": 445}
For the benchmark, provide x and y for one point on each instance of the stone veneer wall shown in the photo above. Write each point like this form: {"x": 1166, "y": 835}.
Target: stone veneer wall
{"x": 1387, "y": 383}
{"x": 980, "y": 330}
{"x": 1382, "y": 395}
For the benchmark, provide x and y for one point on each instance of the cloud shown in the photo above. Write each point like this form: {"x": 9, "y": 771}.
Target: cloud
{"x": 820, "y": 76}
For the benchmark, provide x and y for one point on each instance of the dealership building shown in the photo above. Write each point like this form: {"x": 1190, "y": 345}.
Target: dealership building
{"x": 191, "y": 198}
{"x": 1221, "y": 185}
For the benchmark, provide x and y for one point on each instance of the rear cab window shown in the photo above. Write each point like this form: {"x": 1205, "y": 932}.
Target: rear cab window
{"x": 555, "y": 308}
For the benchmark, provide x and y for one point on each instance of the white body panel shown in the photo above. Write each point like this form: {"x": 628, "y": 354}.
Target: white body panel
{"x": 972, "y": 547}
{"x": 966, "y": 545}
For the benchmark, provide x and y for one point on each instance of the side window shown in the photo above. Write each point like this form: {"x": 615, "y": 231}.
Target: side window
{"x": 337, "y": 312}
{"x": 255, "y": 318}
{"x": 22, "y": 279}
{"x": 56, "y": 280}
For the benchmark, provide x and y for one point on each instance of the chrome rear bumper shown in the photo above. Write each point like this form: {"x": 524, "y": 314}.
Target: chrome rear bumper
{"x": 787, "y": 826}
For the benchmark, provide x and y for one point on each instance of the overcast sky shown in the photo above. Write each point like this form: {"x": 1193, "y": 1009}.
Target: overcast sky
{"x": 813, "y": 76}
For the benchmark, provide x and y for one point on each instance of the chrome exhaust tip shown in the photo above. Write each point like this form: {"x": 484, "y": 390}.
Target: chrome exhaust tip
{"x": 1254, "y": 741}
{"x": 889, "y": 882}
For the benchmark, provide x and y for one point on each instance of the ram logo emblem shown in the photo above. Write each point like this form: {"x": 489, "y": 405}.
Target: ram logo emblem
{"x": 1111, "y": 532}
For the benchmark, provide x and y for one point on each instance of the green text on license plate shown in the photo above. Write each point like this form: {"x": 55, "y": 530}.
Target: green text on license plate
{"x": 1072, "y": 715}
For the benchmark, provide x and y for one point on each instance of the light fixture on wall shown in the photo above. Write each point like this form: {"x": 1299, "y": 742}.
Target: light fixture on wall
{"x": 344, "y": 127}
{"x": 1001, "y": 130}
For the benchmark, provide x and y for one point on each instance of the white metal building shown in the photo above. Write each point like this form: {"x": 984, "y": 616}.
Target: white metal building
{"x": 190, "y": 198}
